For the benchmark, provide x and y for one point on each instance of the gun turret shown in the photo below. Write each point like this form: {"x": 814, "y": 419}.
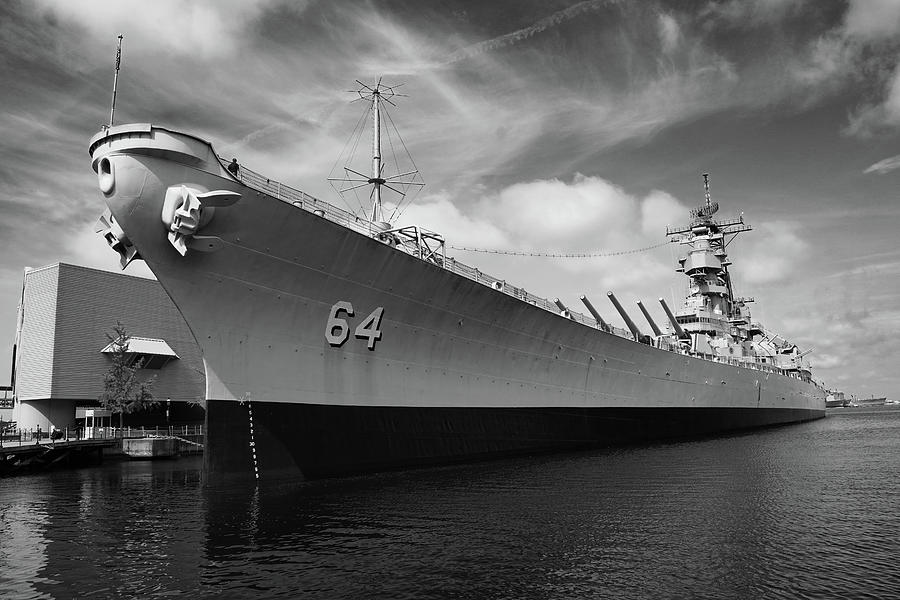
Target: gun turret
{"x": 631, "y": 326}
{"x": 587, "y": 303}
{"x": 678, "y": 330}
{"x": 563, "y": 311}
{"x": 647, "y": 316}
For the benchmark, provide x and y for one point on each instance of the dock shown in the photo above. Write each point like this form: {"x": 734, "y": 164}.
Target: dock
{"x": 37, "y": 455}
{"x": 29, "y": 451}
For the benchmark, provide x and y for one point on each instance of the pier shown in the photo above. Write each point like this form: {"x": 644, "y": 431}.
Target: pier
{"x": 27, "y": 451}
{"x": 37, "y": 455}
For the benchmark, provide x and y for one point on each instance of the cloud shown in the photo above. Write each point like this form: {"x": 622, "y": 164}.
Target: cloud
{"x": 669, "y": 33}
{"x": 871, "y": 119}
{"x": 438, "y": 213}
{"x": 660, "y": 210}
{"x": 541, "y": 216}
{"x": 584, "y": 215}
{"x": 209, "y": 28}
{"x": 844, "y": 338}
{"x": 826, "y": 361}
{"x": 752, "y": 12}
{"x": 884, "y": 166}
{"x": 554, "y": 20}
{"x": 827, "y": 61}
{"x": 554, "y": 215}
{"x": 860, "y": 50}
{"x": 773, "y": 254}
{"x": 872, "y": 19}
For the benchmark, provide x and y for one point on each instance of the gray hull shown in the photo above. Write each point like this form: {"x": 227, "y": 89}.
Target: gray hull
{"x": 454, "y": 370}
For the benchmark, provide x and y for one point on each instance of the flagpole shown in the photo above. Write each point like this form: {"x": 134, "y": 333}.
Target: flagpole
{"x": 112, "y": 111}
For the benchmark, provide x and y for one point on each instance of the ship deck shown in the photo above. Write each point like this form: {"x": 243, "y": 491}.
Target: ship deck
{"x": 302, "y": 200}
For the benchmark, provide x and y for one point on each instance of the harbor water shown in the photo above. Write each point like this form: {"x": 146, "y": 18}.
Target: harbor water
{"x": 805, "y": 511}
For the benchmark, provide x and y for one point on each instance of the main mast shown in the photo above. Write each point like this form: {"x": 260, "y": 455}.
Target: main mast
{"x": 399, "y": 183}
{"x": 376, "y": 179}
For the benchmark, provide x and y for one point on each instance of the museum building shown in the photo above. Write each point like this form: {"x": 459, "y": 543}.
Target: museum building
{"x": 65, "y": 326}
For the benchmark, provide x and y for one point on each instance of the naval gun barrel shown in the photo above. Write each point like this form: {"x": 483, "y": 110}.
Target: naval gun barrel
{"x": 562, "y": 308}
{"x": 634, "y": 330}
{"x": 647, "y": 316}
{"x": 594, "y": 313}
{"x": 678, "y": 330}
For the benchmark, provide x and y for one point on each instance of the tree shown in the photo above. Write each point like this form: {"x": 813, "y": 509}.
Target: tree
{"x": 123, "y": 392}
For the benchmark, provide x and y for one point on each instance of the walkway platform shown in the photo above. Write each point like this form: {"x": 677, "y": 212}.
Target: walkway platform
{"x": 17, "y": 456}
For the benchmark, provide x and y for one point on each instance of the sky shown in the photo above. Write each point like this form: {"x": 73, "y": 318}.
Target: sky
{"x": 548, "y": 126}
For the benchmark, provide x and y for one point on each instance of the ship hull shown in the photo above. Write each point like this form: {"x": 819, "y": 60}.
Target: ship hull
{"x": 328, "y": 352}
{"x": 314, "y": 441}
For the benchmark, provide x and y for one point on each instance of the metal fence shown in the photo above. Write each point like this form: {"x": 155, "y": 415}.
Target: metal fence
{"x": 191, "y": 434}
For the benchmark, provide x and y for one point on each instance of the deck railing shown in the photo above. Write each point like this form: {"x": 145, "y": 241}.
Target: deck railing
{"x": 362, "y": 225}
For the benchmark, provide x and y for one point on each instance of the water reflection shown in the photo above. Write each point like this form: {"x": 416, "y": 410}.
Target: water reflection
{"x": 23, "y": 521}
{"x": 806, "y": 511}
{"x": 119, "y": 530}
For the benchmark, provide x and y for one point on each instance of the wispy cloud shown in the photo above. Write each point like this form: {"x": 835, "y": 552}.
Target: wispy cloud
{"x": 884, "y": 166}
{"x": 205, "y": 28}
{"x": 751, "y": 13}
{"x": 669, "y": 33}
{"x": 872, "y": 19}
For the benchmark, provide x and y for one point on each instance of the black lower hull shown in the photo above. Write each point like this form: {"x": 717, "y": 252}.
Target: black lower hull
{"x": 316, "y": 441}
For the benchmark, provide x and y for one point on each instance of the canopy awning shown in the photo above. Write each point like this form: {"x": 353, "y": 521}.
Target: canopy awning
{"x": 153, "y": 352}
{"x": 142, "y": 345}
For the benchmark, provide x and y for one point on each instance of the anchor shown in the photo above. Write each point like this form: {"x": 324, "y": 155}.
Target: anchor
{"x": 116, "y": 238}
{"x": 187, "y": 210}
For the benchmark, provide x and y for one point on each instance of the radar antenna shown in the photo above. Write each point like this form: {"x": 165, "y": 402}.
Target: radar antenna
{"x": 706, "y": 187}
{"x": 711, "y": 208}
{"x": 402, "y": 181}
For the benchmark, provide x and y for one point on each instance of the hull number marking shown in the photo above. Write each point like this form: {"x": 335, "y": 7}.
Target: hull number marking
{"x": 337, "y": 329}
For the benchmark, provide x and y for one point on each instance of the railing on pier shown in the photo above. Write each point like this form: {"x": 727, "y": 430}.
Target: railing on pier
{"x": 362, "y": 225}
{"x": 190, "y": 434}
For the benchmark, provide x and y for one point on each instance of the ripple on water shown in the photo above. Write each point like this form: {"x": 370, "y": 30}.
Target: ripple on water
{"x": 809, "y": 511}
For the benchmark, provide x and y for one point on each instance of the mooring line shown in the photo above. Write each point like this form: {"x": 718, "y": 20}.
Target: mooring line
{"x": 560, "y": 255}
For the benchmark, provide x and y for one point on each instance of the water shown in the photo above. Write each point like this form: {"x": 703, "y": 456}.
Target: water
{"x": 808, "y": 511}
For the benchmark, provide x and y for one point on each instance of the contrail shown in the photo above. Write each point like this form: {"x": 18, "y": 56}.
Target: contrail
{"x": 508, "y": 39}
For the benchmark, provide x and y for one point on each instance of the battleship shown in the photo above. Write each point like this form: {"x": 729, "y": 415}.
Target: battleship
{"x": 336, "y": 343}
